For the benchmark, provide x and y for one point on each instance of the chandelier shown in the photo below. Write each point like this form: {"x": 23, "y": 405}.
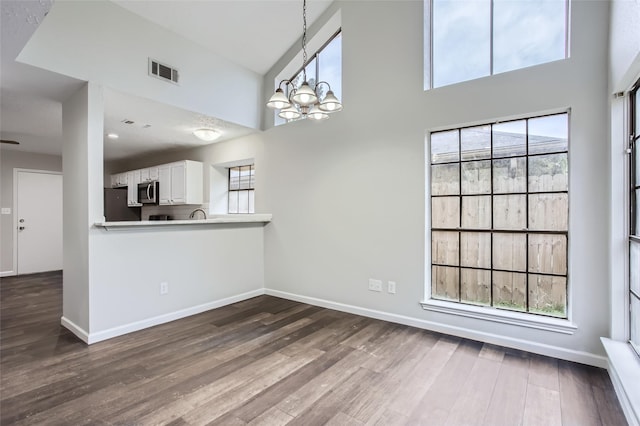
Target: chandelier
{"x": 304, "y": 101}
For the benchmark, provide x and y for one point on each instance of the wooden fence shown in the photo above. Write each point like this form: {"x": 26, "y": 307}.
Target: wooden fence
{"x": 524, "y": 259}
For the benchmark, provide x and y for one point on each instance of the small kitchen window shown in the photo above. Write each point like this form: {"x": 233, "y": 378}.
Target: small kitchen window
{"x": 242, "y": 189}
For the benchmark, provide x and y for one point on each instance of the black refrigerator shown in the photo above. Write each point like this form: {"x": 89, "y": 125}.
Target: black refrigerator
{"x": 116, "y": 208}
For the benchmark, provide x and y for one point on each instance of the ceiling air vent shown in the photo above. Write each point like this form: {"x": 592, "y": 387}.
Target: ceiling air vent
{"x": 162, "y": 71}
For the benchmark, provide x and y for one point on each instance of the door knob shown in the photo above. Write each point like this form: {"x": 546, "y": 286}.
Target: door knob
{"x": 21, "y": 228}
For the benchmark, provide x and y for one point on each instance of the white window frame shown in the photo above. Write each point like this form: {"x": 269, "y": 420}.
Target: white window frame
{"x": 428, "y": 42}
{"x": 623, "y": 360}
{"x": 632, "y": 147}
{"x": 546, "y": 323}
{"x": 219, "y": 184}
{"x": 248, "y": 191}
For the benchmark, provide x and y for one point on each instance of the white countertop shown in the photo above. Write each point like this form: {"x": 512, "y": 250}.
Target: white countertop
{"x": 214, "y": 219}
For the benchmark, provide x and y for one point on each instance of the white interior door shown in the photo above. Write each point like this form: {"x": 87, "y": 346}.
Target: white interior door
{"x": 38, "y": 221}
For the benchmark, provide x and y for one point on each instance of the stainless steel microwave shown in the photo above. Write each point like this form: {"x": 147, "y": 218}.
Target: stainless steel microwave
{"x": 148, "y": 193}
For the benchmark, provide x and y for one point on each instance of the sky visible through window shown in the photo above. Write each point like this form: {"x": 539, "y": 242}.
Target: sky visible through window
{"x": 330, "y": 65}
{"x": 477, "y": 38}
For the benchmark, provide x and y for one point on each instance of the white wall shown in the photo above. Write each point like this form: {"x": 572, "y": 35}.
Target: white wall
{"x": 203, "y": 265}
{"x": 9, "y": 160}
{"x": 101, "y": 42}
{"x": 112, "y": 277}
{"x": 348, "y": 195}
{"x": 82, "y": 127}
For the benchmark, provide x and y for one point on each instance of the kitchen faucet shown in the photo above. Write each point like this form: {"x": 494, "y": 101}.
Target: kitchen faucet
{"x": 193, "y": 213}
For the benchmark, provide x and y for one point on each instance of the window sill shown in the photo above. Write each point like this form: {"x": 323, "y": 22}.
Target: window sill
{"x": 624, "y": 370}
{"x": 502, "y": 316}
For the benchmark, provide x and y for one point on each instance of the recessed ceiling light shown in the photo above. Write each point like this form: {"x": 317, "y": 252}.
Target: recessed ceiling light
{"x": 113, "y": 136}
{"x": 207, "y": 135}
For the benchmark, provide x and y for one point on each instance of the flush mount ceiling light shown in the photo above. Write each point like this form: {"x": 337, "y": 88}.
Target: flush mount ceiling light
{"x": 112, "y": 135}
{"x": 207, "y": 135}
{"x": 304, "y": 101}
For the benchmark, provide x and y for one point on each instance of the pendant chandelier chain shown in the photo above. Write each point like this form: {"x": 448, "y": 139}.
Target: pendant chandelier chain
{"x": 301, "y": 100}
{"x": 304, "y": 37}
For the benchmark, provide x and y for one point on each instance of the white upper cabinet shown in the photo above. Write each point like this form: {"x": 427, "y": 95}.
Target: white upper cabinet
{"x": 133, "y": 179}
{"x": 144, "y": 176}
{"x": 153, "y": 173}
{"x": 164, "y": 180}
{"x": 149, "y": 174}
{"x": 181, "y": 182}
{"x": 119, "y": 180}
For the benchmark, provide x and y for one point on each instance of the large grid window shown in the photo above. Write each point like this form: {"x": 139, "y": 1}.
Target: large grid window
{"x": 242, "y": 189}
{"x": 634, "y": 234}
{"x": 499, "y": 215}
{"x": 470, "y": 39}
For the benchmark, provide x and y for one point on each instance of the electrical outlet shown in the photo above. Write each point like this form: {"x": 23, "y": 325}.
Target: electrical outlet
{"x": 375, "y": 285}
{"x": 164, "y": 288}
{"x": 391, "y": 287}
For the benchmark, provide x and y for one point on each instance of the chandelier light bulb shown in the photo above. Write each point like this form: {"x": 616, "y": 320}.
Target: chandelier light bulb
{"x": 289, "y": 113}
{"x": 330, "y": 103}
{"x": 305, "y": 98}
{"x": 317, "y": 114}
{"x": 305, "y": 95}
{"x": 278, "y": 100}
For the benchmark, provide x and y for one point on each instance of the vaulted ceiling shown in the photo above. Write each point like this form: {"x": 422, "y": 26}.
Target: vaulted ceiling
{"x": 250, "y": 33}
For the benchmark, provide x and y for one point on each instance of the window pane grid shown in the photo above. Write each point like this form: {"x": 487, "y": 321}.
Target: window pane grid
{"x": 241, "y": 189}
{"x": 462, "y": 161}
{"x": 634, "y": 222}
{"x": 546, "y": 274}
{"x": 634, "y": 332}
{"x": 498, "y": 231}
{"x": 514, "y": 257}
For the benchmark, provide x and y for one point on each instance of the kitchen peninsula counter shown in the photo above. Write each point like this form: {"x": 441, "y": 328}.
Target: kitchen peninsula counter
{"x": 213, "y": 220}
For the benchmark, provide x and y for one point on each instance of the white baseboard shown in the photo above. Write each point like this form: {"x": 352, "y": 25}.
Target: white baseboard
{"x": 75, "y": 329}
{"x": 99, "y": 336}
{"x": 7, "y": 273}
{"x": 538, "y": 348}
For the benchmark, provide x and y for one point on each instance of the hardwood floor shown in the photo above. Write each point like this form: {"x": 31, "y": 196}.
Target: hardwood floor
{"x": 269, "y": 361}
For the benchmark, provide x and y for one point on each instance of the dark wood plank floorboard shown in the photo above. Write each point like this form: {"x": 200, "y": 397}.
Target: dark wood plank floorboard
{"x": 510, "y": 392}
{"x": 269, "y": 361}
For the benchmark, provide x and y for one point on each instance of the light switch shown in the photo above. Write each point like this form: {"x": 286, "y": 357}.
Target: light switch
{"x": 6, "y": 210}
